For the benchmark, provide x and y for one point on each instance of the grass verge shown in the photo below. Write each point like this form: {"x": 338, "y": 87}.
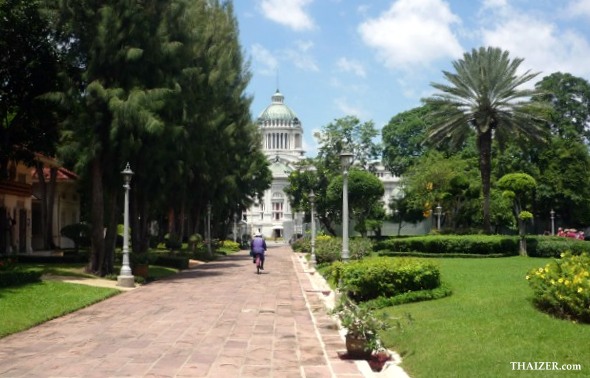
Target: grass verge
{"x": 488, "y": 323}
{"x": 23, "y": 307}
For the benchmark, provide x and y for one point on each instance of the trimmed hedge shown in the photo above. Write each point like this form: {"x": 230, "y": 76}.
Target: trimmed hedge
{"x": 480, "y": 245}
{"x": 376, "y": 277}
{"x": 19, "y": 277}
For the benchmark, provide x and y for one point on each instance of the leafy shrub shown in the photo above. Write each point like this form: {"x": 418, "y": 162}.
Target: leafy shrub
{"x": 172, "y": 242}
{"x": 562, "y": 287}
{"x": 382, "y": 276}
{"x": 229, "y": 246}
{"x": 301, "y": 245}
{"x": 327, "y": 249}
{"x": 554, "y": 246}
{"x": 79, "y": 233}
{"x": 360, "y": 247}
{"x": 453, "y": 244}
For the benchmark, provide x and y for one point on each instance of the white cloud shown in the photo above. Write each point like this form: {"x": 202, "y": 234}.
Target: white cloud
{"x": 348, "y": 65}
{"x": 301, "y": 57}
{"x": 265, "y": 59}
{"x": 290, "y": 13}
{"x": 579, "y": 8}
{"x": 544, "y": 46}
{"x": 347, "y": 108}
{"x": 412, "y": 32}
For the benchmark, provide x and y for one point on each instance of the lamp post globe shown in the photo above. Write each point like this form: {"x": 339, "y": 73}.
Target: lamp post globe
{"x": 438, "y": 215}
{"x": 125, "y": 278}
{"x": 346, "y": 159}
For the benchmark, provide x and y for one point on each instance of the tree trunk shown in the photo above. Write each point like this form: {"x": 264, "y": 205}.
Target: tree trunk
{"x": 110, "y": 241}
{"x": 485, "y": 167}
{"x": 97, "y": 208}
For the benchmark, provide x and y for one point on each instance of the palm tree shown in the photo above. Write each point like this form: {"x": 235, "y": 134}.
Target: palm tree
{"x": 483, "y": 96}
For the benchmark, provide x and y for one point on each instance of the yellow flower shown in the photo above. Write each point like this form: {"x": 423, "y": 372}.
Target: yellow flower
{"x": 527, "y": 277}
{"x": 541, "y": 270}
{"x": 562, "y": 254}
{"x": 580, "y": 290}
{"x": 552, "y": 281}
{"x": 560, "y": 280}
{"x": 567, "y": 282}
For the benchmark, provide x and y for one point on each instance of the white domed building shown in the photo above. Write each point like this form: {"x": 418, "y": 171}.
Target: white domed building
{"x": 282, "y": 143}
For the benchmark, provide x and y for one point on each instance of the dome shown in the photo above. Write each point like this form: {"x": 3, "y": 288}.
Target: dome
{"x": 278, "y": 111}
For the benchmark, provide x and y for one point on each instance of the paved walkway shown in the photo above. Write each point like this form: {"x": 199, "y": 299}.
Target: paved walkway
{"x": 220, "y": 319}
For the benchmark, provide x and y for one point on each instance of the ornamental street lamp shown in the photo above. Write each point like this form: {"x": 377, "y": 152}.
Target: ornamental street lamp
{"x": 312, "y": 201}
{"x": 438, "y": 215}
{"x": 346, "y": 161}
{"x": 552, "y": 213}
{"x": 126, "y": 279}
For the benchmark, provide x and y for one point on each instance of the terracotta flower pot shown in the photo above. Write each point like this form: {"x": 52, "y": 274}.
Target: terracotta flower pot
{"x": 356, "y": 348}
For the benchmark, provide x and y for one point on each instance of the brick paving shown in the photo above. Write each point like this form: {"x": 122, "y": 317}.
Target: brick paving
{"x": 219, "y": 319}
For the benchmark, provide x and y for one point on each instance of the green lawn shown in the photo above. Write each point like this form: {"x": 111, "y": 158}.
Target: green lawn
{"x": 23, "y": 307}
{"x": 485, "y": 325}
{"x": 26, "y": 306}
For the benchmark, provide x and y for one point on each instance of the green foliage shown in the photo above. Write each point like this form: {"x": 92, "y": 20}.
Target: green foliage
{"x": 382, "y": 276}
{"x": 403, "y": 139}
{"x": 79, "y": 233}
{"x": 173, "y": 242}
{"x": 480, "y": 97}
{"x": 360, "y": 322}
{"x": 327, "y": 249}
{"x": 15, "y": 277}
{"x": 409, "y": 297}
{"x": 554, "y": 246}
{"x": 228, "y": 246}
{"x": 562, "y": 287}
{"x": 453, "y": 244}
{"x": 302, "y": 245}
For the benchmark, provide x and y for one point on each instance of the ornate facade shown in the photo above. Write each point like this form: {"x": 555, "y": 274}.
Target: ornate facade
{"x": 282, "y": 143}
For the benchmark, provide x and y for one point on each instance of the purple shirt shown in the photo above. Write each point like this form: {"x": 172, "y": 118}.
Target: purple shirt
{"x": 258, "y": 245}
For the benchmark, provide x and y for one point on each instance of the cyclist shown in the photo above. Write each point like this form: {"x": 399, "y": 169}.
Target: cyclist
{"x": 258, "y": 247}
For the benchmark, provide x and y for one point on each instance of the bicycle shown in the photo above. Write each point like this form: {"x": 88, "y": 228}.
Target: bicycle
{"x": 258, "y": 263}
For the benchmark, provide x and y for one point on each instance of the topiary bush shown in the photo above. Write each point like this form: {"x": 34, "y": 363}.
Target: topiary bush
{"x": 327, "y": 249}
{"x": 562, "y": 287}
{"x": 386, "y": 277}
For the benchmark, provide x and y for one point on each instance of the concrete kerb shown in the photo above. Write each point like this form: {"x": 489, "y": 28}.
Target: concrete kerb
{"x": 392, "y": 369}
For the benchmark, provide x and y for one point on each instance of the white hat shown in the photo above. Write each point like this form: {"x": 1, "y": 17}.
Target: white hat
{"x": 258, "y": 234}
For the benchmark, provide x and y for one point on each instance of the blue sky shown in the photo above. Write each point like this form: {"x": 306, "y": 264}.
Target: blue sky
{"x": 376, "y": 58}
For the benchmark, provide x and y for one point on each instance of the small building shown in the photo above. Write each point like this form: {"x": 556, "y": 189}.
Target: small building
{"x": 20, "y": 207}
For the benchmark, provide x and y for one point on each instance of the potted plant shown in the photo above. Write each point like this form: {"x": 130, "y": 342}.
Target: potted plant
{"x": 140, "y": 264}
{"x": 362, "y": 328}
